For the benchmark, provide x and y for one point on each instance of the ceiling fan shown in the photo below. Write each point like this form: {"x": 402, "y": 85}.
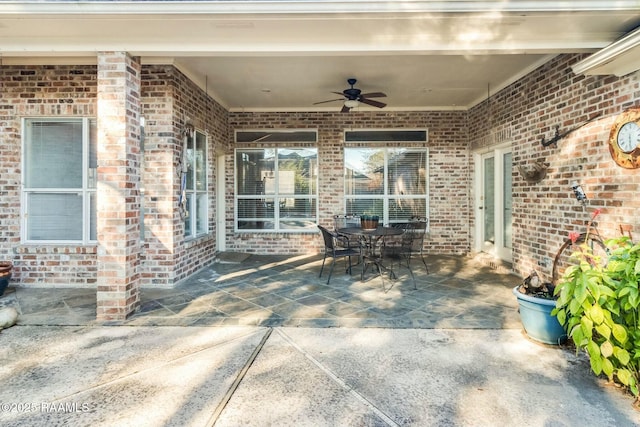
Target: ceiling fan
{"x": 352, "y": 98}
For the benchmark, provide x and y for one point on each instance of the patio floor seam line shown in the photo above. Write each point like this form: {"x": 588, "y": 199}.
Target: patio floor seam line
{"x": 335, "y": 378}
{"x": 236, "y": 382}
{"x": 138, "y": 372}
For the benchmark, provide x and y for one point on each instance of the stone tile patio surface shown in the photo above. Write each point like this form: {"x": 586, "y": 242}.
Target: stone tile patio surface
{"x": 286, "y": 291}
{"x": 263, "y": 341}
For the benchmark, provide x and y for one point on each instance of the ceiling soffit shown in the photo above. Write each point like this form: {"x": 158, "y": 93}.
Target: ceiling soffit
{"x": 284, "y": 55}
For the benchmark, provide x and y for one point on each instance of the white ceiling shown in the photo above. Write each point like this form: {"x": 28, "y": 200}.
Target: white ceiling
{"x": 287, "y": 55}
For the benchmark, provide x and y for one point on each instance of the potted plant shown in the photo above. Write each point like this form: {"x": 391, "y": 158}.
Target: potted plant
{"x": 5, "y": 275}
{"x": 536, "y": 300}
{"x": 599, "y": 305}
{"x": 369, "y": 222}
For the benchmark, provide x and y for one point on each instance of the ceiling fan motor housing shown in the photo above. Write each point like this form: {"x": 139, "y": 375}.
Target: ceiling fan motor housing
{"x": 353, "y": 97}
{"x": 351, "y": 93}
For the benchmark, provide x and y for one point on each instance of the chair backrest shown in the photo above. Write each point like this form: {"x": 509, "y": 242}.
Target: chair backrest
{"x": 353, "y": 220}
{"x": 344, "y": 221}
{"x": 401, "y": 225}
{"x": 339, "y": 221}
{"x": 328, "y": 237}
{"x": 418, "y": 228}
{"x": 399, "y": 240}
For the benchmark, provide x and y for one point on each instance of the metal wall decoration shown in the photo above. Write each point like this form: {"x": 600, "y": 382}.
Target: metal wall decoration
{"x": 536, "y": 173}
{"x": 561, "y": 135}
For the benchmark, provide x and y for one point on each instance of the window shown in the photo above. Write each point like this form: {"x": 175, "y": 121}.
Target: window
{"x": 277, "y": 135}
{"x": 386, "y": 135}
{"x": 196, "y": 198}
{"x": 276, "y": 189}
{"x": 388, "y": 182}
{"x": 59, "y": 177}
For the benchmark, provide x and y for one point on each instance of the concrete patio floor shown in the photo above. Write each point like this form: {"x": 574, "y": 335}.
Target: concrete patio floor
{"x": 265, "y": 342}
{"x": 460, "y": 292}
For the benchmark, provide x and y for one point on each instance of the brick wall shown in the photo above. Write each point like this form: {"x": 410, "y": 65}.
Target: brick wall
{"x": 206, "y": 115}
{"x": 521, "y": 114}
{"x": 159, "y": 176}
{"x": 40, "y": 91}
{"x": 118, "y": 198}
{"x": 531, "y": 108}
{"x": 449, "y": 178}
{"x": 167, "y": 99}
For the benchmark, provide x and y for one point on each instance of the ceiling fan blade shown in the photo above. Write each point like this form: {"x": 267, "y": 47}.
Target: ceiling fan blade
{"x": 345, "y": 109}
{"x": 330, "y": 100}
{"x": 338, "y": 93}
{"x": 374, "y": 95}
{"x": 372, "y": 102}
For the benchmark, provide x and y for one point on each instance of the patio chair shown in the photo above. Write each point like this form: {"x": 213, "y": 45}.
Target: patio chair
{"x": 344, "y": 221}
{"x": 400, "y": 251}
{"x": 332, "y": 250}
{"x": 419, "y": 229}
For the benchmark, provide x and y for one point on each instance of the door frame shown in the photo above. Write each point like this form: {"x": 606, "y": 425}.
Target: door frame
{"x": 220, "y": 221}
{"x": 498, "y": 152}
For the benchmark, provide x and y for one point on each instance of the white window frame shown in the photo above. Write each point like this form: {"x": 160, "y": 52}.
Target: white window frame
{"x": 276, "y": 196}
{"x": 192, "y": 194}
{"x": 85, "y": 192}
{"x": 386, "y": 196}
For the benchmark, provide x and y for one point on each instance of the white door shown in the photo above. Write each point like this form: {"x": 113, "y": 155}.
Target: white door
{"x": 494, "y": 203}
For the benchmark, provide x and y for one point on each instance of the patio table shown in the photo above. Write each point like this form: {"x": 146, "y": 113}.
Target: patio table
{"x": 372, "y": 238}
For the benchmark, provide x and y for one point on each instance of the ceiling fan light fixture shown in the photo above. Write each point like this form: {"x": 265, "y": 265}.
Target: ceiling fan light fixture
{"x": 351, "y": 103}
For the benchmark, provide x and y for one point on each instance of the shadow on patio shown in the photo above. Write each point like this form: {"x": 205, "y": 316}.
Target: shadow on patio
{"x": 459, "y": 292}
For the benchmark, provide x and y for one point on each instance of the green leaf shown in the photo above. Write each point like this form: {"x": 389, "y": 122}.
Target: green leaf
{"x": 581, "y": 290}
{"x": 572, "y": 323}
{"x": 633, "y": 386}
{"x": 615, "y": 309}
{"x": 593, "y": 284}
{"x": 606, "y": 291}
{"x": 624, "y": 291}
{"x": 596, "y": 314}
{"x": 563, "y": 298}
{"x": 619, "y": 333}
{"x": 578, "y": 337}
{"x": 607, "y": 368}
{"x": 622, "y": 355}
{"x": 593, "y": 349}
{"x": 636, "y": 270}
{"x": 624, "y": 376}
{"x": 596, "y": 364}
{"x": 604, "y": 330}
{"x": 634, "y": 297}
{"x": 587, "y": 326}
{"x": 561, "y": 316}
{"x": 634, "y": 389}
{"x": 606, "y": 349}
{"x": 575, "y": 307}
{"x": 616, "y": 266}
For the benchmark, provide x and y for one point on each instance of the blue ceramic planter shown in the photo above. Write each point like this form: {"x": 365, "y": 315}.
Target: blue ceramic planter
{"x": 5, "y": 275}
{"x": 4, "y": 283}
{"x": 539, "y": 324}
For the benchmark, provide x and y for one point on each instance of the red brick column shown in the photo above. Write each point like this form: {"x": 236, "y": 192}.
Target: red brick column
{"x": 118, "y": 185}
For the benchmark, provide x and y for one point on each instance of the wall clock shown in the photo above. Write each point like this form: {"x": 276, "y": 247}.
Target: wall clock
{"x": 624, "y": 139}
